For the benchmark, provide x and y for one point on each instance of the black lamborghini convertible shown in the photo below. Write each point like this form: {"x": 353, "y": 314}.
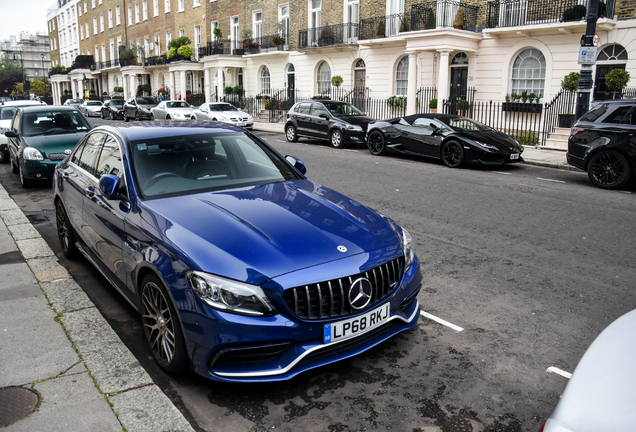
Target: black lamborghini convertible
{"x": 451, "y": 138}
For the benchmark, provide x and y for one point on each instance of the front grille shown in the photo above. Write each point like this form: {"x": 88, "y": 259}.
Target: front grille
{"x": 330, "y": 299}
{"x": 57, "y": 156}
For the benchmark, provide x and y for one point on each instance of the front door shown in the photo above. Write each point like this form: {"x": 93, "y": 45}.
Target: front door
{"x": 601, "y": 92}
{"x": 459, "y": 82}
{"x": 291, "y": 85}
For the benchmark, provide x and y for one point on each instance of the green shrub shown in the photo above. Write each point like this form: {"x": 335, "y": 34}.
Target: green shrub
{"x": 617, "y": 79}
{"x": 185, "y": 51}
{"x": 432, "y": 104}
{"x": 570, "y": 81}
{"x": 527, "y": 138}
{"x": 336, "y": 80}
{"x": 396, "y": 102}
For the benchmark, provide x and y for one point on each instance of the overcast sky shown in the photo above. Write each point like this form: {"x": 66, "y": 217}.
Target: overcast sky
{"x": 23, "y": 16}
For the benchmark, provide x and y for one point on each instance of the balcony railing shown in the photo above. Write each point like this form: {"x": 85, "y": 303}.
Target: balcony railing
{"x": 339, "y": 34}
{"x": 511, "y": 13}
{"x": 156, "y": 60}
{"x": 108, "y": 64}
{"x": 214, "y": 48}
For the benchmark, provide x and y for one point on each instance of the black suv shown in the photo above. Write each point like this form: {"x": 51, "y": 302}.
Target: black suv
{"x": 339, "y": 122}
{"x": 603, "y": 142}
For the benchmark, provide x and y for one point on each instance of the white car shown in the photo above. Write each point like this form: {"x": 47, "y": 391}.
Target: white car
{"x": 91, "y": 108}
{"x": 172, "y": 110}
{"x": 224, "y": 112}
{"x": 6, "y": 114}
{"x": 601, "y": 393}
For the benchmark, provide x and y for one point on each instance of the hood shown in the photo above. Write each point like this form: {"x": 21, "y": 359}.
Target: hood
{"x": 48, "y": 144}
{"x": 229, "y": 114}
{"x": 357, "y": 120}
{"x": 257, "y": 233}
{"x": 182, "y": 111}
{"x": 600, "y": 395}
{"x": 501, "y": 140}
{"x": 147, "y": 106}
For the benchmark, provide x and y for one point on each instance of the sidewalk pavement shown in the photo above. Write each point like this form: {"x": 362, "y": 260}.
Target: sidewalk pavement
{"x": 63, "y": 368}
{"x": 531, "y": 155}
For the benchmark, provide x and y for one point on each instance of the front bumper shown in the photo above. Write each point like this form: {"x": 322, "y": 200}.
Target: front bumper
{"x": 355, "y": 137}
{"x": 235, "y": 348}
{"x": 38, "y": 171}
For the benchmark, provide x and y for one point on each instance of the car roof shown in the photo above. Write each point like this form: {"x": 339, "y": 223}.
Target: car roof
{"x": 152, "y": 130}
{"x": 21, "y": 103}
{"x": 47, "y": 108}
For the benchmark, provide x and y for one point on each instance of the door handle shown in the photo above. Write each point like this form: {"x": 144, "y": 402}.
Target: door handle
{"x": 65, "y": 176}
{"x": 90, "y": 191}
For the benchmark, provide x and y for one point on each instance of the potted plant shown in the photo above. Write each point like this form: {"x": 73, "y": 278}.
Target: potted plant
{"x": 569, "y": 83}
{"x": 459, "y": 19}
{"x": 238, "y": 90}
{"x": 228, "y": 90}
{"x": 336, "y": 80}
{"x": 127, "y": 57}
{"x": 432, "y": 105}
{"x": 461, "y": 106}
{"x": 279, "y": 41}
{"x": 616, "y": 80}
{"x": 381, "y": 29}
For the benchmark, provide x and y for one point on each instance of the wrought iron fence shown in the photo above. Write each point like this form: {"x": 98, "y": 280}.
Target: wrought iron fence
{"x": 156, "y": 60}
{"x": 338, "y": 34}
{"x": 424, "y": 97}
{"x": 510, "y": 13}
{"x": 628, "y": 93}
{"x": 564, "y": 102}
{"x": 214, "y": 48}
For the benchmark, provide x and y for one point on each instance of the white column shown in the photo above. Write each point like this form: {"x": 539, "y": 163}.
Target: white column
{"x": 442, "y": 78}
{"x": 173, "y": 90}
{"x": 132, "y": 87}
{"x": 54, "y": 92}
{"x": 182, "y": 84}
{"x": 207, "y": 87}
{"x": 124, "y": 84}
{"x": 412, "y": 84}
{"x": 219, "y": 74}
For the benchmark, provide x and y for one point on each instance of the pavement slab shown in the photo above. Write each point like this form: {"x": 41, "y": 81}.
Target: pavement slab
{"x": 47, "y": 269}
{"x": 34, "y": 248}
{"x": 66, "y": 295}
{"x": 23, "y": 232}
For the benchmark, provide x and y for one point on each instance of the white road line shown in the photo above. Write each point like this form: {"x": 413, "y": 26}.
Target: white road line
{"x": 501, "y": 172}
{"x": 558, "y": 371}
{"x": 441, "y": 321}
{"x": 281, "y": 140}
{"x": 354, "y": 151}
{"x": 628, "y": 192}
{"x": 555, "y": 181}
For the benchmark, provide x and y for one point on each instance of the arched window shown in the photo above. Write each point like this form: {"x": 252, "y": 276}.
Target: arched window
{"x": 324, "y": 78}
{"x": 265, "y": 82}
{"x": 528, "y": 72}
{"x": 402, "y": 77}
{"x": 611, "y": 57}
{"x": 460, "y": 59}
{"x": 612, "y": 52}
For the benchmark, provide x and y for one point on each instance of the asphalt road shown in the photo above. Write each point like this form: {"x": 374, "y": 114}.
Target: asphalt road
{"x": 528, "y": 263}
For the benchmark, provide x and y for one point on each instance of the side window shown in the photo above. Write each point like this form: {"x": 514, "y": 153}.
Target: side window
{"x": 91, "y": 149}
{"x": 110, "y": 159}
{"x": 423, "y": 123}
{"x": 303, "y": 108}
{"x": 617, "y": 115}
{"x": 631, "y": 117}
{"x": 16, "y": 122}
{"x": 317, "y": 109}
{"x": 77, "y": 153}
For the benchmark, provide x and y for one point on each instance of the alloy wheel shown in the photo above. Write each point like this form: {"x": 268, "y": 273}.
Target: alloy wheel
{"x": 376, "y": 143}
{"x": 336, "y": 139}
{"x": 290, "y": 134}
{"x": 158, "y": 324}
{"x": 64, "y": 231}
{"x": 452, "y": 154}
{"x": 608, "y": 170}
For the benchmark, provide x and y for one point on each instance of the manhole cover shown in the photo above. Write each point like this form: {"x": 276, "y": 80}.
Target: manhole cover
{"x": 16, "y": 403}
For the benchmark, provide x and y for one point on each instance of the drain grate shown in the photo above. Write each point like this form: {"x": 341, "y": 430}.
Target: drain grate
{"x": 16, "y": 403}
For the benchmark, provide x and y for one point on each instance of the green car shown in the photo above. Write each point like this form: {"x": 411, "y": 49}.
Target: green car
{"x": 42, "y": 136}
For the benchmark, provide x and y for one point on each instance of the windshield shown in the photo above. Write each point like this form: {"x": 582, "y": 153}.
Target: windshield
{"x": 94, "y": 103}
{"x": 53, "y": 122}
{"x": 342, "y": 109}
{"x": 76, "y": 101}
{"x": 464, "y": 124}
{"x": 117, "y": 102}
{"x": 181, "y": 165}
{"x": 146, "y": 101}
{"x": 223, "y": 107}
{"x": 177, "y": 105}
{"x": 6, "y": 113}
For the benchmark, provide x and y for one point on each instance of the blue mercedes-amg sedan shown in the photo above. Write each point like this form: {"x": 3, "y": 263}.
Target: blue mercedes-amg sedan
{"x": 241, "y": 268}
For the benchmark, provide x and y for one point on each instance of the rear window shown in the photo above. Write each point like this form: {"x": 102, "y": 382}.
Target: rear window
{"x": 606, "y": 113}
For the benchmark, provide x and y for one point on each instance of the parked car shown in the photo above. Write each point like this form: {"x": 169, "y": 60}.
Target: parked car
{"x": 291, "y": 275}
{"x": 225, "y": 113}
{"x": 113, "y": 109}
{"x": 451, "y": 138}
{"x": 139, "y": 108}
{"x": 40, "y": 137}
{"x": 7, "y": 110}
{"x": 172, "y": 110}
{"x": 602, "y": 143}
{"x": 601, "y": 393}
{"x": 73, "y": 102}
{"x": 339, "y": 122}
{"x": 91, "y": 108}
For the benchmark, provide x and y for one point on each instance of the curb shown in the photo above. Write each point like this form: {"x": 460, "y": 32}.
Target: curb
{"x": 137, "y": 403}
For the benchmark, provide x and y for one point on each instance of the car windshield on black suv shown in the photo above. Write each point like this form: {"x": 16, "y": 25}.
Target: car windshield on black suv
{"x": 603, "y": 143}
{"x": 339, "y": 122}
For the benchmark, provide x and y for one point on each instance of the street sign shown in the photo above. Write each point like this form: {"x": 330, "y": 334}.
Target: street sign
{"x": 595, "y": 40}
{"x": 587, "y": 55}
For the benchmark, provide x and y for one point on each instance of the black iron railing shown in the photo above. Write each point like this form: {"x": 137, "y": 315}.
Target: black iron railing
{"x": 563, "y": 103}
{"x": 156, "y": 60}
{"x": 384, "y": 26}
{"x": 339, "y": 34}
{"x": 511, "y": 13}
{"x": 214, "y": 48}
{"x": 266, "y": 43}
{"x": 424, "y": 97}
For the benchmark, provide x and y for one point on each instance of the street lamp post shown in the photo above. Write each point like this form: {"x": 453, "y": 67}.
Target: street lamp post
{"x": 586, "y": 83}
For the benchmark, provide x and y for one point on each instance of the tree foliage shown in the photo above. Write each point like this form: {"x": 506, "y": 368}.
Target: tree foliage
{"x": 10, "y": 74}
{"x": 39, "y": 87}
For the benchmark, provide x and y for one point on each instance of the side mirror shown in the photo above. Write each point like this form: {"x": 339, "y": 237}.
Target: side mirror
{"x": 297, "y": 163}
{"x": 10, "y": 134}
{"x": 436, "y": 130}
{"x": 109, "y": 185}
{"x": 324, "y": 116}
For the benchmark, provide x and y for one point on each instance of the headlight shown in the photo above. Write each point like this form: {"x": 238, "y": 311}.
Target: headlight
{"x": 229, "y": 295}
{"x": 405, "y": 239}
{"x": 487, "y": 146}
{"x": 146, "y": 110}
{"x": 30, "y": 153}
{"x": 354, "y": 128}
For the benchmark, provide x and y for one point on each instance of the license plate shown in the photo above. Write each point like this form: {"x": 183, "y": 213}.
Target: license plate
{"x": 514, "y": 156}
{"x": 357, "y": 326}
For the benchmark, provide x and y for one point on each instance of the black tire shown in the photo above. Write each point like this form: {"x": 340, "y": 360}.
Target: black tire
{"x": 23, "y": 181}
{"x": 65, "y": 233}
{"x": 14, "y": 167}
{"x": 152, "y": 117}
{"x": 161, "y": 326}
{"x": 126, "y": 119}
{"x": 111, "y": 116}
{"x": 137, "y": 116}
{"x": 452, "y": 154}
{"x": 608, "y": 169}
{"x": 101, "y": 115}
{"x": 290, "y": 133}
{"x": 376, "y": 143}
{"x": 336, "y": 139}
{"x": 167, "y": 116}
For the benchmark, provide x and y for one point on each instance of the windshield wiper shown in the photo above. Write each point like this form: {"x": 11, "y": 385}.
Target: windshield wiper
{"x": 58, "y": 131}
